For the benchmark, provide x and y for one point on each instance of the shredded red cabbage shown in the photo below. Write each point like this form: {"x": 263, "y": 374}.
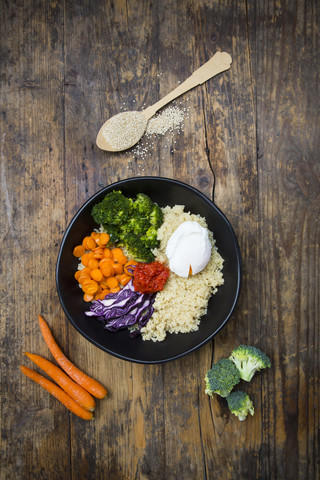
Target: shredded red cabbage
{"x": 124, "y": 309}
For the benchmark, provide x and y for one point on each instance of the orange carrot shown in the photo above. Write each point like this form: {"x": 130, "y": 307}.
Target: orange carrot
{"x": 75, "y": 391}
{"x": 129, "y": 267}
{"x": 91, "y": 385}
{"x": 78, "y": 251}
{"x": 87, "y": 297}
{"x": 58, "y": 393}
{"x": 89, "y": 286}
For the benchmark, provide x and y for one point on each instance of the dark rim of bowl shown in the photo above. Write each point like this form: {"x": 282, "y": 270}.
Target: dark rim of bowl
{"x": 239, "y": 269}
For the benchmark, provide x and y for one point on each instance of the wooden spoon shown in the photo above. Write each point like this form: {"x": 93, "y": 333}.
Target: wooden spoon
{"x": 124, "y": 130}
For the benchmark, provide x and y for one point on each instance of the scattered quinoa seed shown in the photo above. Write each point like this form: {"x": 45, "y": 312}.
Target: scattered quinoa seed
{"x": 169, "y": 119}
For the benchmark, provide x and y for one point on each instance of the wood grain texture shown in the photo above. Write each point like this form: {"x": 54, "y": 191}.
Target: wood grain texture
{"x": 250, "y": 140}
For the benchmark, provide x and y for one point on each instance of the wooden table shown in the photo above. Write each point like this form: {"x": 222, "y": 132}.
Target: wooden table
{"x": 250, "y": 141}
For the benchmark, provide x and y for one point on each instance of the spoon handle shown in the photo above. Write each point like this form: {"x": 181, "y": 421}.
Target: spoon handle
{"x": 220, "y": 62}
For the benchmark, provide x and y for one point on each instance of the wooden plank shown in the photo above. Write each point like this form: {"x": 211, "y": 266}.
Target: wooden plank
{"x": 284, "y": 52}
{"x": 231, "y": 150}
{"x": 35, "y": 427}
{"x": 127, "y": 424}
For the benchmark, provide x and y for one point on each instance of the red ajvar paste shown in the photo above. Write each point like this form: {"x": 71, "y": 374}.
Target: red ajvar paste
{"x": 150, "y": 277}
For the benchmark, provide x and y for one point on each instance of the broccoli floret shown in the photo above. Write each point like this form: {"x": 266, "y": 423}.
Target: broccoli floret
{"x": 221, "y": 378}
{"x": 156, "y": 216}
{"x": 114, "y": 209}
{"x": 239, "y": 404}
{"x": 136, "y": 224}
{"x": 137, "y": 249}
{"x": 150, "y": 238}
{"x": 249, "y": 360}
{"x": 143, "y": 204}
{"x": 130, "y": 223}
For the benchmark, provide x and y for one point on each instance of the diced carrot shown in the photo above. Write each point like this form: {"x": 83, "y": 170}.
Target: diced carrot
{"x": 112, "y": 282}
{"x": 114, "y": 290}
{"x": 129, "y": 267}
{"x": 89, "y": 243}
{"x": 85, "y": 259}
{"x": 83, "y": 278}
{"x": 87, "y": 297}
{"x": 104, "y": 239}
{"x": 122, "y": 259}
{"x": 107, "y": 253}
{"x": 116, "y": 252}
{"x": 124, "y": 279}
{"x": 106, "y": 261}
{"x": 86, "y": 271}
{"x": 79, "y": 250}
{"x": 118, "y": 268}
{"x": 93, "y": 263}
{"x": 98, "y": 252}
{"x": 96, "y": 274}
{"x": 89, "y": 286}
{"x": 77, "y": 274}
{"x": 107, "y": 270}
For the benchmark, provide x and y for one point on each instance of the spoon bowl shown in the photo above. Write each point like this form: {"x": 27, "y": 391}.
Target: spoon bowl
{"x": 122, "y": 131}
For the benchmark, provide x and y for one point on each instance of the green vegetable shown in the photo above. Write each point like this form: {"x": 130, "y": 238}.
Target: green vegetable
{"x": 156, "y": 216}
{"x": 240, "y": 404}
{"x": 130, "y": 223}
{"x": 137, "y": 249}
{"x": 114, "y": 209}
{"x": 143, "y": 205}
{"x": 249, "y": 360}
{"x": 150, "y": 238}
{"x": 135, "y": 224}
{"x": 221, "y": 378}
{"x": 114, "y": 232}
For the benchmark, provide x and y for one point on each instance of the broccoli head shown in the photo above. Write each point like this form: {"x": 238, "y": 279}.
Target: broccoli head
{"x": 143, "y": 204}
{"x": 137, "y": 224}
{"x": 114, "y": 209}
{"x": 150, "y": 238}
{"x": 249, "y": 360}
{"x": 239, "y": 404}
{"x": 156, "y": 216}
{"x": 221, "y": 378}
{"x": 130, "y": 223}
{"x": 137, "y": 249}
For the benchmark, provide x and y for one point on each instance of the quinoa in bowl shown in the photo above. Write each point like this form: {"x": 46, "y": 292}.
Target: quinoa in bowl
{"x": 178, "y": 308}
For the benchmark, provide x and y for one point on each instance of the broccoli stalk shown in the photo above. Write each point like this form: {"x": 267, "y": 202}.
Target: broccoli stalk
{"x": 239, "y": 404}
{"x": 221, "y": 378}
{"x": 249, "y": 360}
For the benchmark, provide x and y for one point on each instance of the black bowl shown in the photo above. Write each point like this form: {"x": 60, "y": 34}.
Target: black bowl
{"x": 221, "y": 305}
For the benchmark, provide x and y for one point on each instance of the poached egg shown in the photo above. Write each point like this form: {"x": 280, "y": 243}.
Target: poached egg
{"x": 188, "y": 249}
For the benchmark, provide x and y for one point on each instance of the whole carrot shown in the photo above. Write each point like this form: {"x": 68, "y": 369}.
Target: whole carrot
{"x": 75, "y": 391}
{"x": 58, "y": 393}
{"x": 88, "y": 383}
